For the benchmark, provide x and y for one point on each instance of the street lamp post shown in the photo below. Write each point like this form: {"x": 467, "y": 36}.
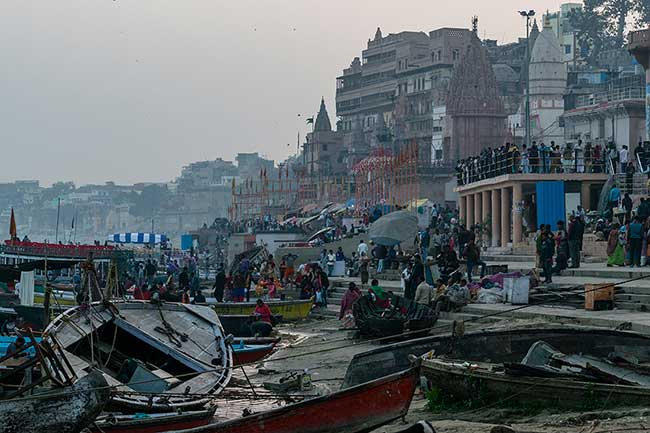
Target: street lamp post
{"x": 528, "y": 14}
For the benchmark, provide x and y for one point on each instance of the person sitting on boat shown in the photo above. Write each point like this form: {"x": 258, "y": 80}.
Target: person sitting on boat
{"x": 349, "y": 298}
{"x": 142, "y": 293}
{"x": 199, "y": 298}
{"x": 15, "y": 348}
{"x": 379, "y": 295}
{"x": 263, "y": 325}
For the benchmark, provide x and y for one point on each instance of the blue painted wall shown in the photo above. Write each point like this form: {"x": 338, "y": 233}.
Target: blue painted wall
{"x": 550, "y": 203}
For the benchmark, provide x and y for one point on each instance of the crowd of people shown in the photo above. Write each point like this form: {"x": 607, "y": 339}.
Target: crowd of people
{"x": 551, "y": 158}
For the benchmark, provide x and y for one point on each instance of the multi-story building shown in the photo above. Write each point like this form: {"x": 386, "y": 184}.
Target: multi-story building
{"x": 206, "y": 173}
{"x": 367, "y": 89}
{"x": 250, "y": 165}
{"x": 560, "y": 23}
{"x": 422, "y": 88}
{"x": 614, "y": 113}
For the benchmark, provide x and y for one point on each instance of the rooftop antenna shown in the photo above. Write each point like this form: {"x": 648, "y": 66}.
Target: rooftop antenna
{"x": 475, "y": 24}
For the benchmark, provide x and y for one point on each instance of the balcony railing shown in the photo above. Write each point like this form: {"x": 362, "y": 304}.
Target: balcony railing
{"x": 477, "y": 169}
{"x": 613, "y": 95}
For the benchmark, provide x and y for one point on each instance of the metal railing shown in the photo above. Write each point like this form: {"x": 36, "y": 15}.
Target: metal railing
{"x": 477, "y": 169}
{"x": 612, "y": 95}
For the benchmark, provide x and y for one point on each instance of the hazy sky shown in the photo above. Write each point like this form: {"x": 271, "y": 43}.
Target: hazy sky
{"x": 132, "y": 90}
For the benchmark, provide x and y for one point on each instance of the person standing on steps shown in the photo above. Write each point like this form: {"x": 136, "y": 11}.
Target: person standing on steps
{"x": 547, "y": 248}
{"x": 362, "y": 248}
{"x": 635, "y": 240}
{"x": 574, "y": 241}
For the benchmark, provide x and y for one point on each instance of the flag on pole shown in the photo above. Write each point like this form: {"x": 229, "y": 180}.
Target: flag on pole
{"x": 13, "y": 234}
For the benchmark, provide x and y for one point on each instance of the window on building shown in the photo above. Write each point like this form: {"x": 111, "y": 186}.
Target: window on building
{"x": 324, "y": 147}
{"x": 567, "y": 49}
{"x": 455, "y": 54}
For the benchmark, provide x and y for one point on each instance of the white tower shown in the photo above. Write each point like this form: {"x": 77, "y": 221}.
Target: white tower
{"x": 547, "y": 75}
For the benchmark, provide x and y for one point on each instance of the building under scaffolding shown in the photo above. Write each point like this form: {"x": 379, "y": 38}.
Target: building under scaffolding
{"x": 387, "y": 178}
{"x": 263, "y": 196}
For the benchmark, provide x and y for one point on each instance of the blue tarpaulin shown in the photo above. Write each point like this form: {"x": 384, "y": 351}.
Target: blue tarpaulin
{"x": 550, "y": 203}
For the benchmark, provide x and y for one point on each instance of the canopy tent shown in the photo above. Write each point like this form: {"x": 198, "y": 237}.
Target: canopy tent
{"x": 137, "y": 238}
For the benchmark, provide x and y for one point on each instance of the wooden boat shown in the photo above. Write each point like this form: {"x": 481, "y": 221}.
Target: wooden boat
{"x": 375, "y": 403}
{"x": 33, "y": 315}
{"x": 472, "y": 366}
{"x": 160, "y": 357}
{"x": 151, "y": 423}
{"x": 289, "y": 310}
{"x": 403, "y": 316}
{"x": 66, "y": 410}
{"x": 248, "y": 353}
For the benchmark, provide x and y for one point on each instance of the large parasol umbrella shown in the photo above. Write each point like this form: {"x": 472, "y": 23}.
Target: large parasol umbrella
{"x": 394, "y": 228}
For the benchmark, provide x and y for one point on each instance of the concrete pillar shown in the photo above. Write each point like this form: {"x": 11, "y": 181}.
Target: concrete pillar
{"x": 647, "y": 103}
{"x": 478, "y": 216}
{"x": 496, "y": 217}
{"x": 505, "y": 216}
{"x": 485, "y": 202}
{"x": 517, "y": 208}
{"x": 585, "y": 193}
{"x": 462, "y": 212}
{"x": 469, "y": 221}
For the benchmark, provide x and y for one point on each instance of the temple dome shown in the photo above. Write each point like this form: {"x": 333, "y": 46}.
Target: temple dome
{"x": 323, "y": 123}
{"x": 548, "y": 71}
{"x": 473, "y": 88}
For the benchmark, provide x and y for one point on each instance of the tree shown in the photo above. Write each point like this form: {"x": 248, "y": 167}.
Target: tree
{"x": 590, "y": 24}
{"x": 642, "y": 11}
{"x": 617, "y": 13}
{"x": 152, "y": 198}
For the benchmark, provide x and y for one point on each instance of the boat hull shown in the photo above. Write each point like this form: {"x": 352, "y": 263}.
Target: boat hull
{"x": 66, "y": 411}
{"x": 250, "y": 353}
{"x": 545, "y": 392}
{"x": 289, "y": 310}
{"x": 352, "y": 410}
{"x": 154, "y": 424}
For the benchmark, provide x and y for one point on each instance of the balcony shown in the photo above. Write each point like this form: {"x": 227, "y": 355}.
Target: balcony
{"x": 613, "y": 95}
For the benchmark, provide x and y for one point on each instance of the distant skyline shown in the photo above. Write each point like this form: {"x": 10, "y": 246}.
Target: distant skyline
{"x": 132, "y": 90}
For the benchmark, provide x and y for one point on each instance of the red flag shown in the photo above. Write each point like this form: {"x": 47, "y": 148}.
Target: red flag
{"x": 13, "y": 234}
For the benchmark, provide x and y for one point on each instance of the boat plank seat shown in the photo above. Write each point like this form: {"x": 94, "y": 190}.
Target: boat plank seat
{"x": 172, "y": 381}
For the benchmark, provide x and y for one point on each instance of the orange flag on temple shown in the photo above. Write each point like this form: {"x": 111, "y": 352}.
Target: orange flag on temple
{"x": 13, "y": 234}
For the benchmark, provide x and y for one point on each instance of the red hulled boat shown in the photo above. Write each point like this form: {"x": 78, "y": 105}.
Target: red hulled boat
{"x": 151, "y": 423}
{"x": 249, "y": 353}
{"x": 361, "y": 408}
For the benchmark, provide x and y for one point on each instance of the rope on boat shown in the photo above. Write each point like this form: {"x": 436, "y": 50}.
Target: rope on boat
{"x": 331, "y": 349}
